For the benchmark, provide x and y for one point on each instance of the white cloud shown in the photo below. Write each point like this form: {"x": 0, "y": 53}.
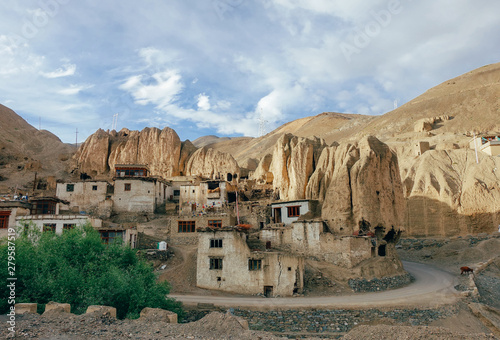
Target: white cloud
{"x": 203, "y": 102}
{"x": 65, "y": 71}
{"x": 74, "y": 89}
{"x": 165, "y": 87}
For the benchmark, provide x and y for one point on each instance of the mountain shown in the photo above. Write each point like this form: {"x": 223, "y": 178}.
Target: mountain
{"x": 25, "y": 150}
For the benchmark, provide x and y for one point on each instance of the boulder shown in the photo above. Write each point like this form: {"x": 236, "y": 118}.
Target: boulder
{"x": 57, "y": 307}
{"x": 158, "y": 315}
{"x": 22, "y": 308}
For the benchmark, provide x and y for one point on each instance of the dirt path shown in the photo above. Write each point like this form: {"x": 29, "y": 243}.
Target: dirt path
{"x": 432, "y": 288}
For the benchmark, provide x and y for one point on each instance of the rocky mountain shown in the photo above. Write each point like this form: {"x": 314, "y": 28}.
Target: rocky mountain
{"x": 25, "y": 150}
{"x": 161, "y": 150}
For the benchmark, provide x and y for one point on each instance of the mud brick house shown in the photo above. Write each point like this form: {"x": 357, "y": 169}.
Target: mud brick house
{"x": 135, "y": 191}
{"x": 226, "y": 262}
{"x": 206, "y": 196}
{"x": 289, "y": 211}
{"x": 88, "y": 196}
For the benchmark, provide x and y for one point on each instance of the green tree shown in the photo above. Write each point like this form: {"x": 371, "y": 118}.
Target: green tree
{"x": 77, "y": 268}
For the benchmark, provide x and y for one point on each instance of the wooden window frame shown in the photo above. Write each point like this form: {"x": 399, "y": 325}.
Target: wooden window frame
{"x": 186, "y": 226}
{"x": 49, "y": 227}
{"x": 254, "y": 264}
{"x": 4, "y": 219}
{"x": 68, "y": 226}
{"x": 216, "y": 243}
{"x": 293, "y": 211}
{"x": 94, "y": 188}
{"x": 70, "y": 187}
{"x": 127, "y": 187}
{"x": 215, "y": 223}
{"x": 216, "y": 263}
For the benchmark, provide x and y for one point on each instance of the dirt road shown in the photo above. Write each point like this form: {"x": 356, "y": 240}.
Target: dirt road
{"x": 432, "y": 288}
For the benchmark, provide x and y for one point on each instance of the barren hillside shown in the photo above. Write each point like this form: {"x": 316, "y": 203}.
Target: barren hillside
{"x": 25, "y": 150}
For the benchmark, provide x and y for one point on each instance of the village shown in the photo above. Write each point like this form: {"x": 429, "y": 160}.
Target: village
{"x": 251, "y": 245}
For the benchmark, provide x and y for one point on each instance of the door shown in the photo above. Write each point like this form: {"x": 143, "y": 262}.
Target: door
{"x": 268, "y": 291}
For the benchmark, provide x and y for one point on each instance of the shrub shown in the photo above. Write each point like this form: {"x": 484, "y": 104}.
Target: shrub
{"x": 77, "y": 268}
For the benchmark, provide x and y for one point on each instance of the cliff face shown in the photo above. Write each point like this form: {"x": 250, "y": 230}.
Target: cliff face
{"x": 292, "y": 164}
{"x": 211, "y": 163}
{"x": 449, "y": 194}
{"x": 161, "y": 150}
{"x": 359, "y": 181}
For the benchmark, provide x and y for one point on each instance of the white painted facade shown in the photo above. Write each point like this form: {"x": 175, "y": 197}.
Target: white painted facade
{"x": 243, "y": 271}
{"x": 141, "y": 195}
{"x": 285, "y": 212}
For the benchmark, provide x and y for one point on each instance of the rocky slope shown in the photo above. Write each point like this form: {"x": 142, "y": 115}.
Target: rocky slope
{"x": 25, "y": 150}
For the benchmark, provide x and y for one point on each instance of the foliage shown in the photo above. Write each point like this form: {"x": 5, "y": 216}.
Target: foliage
{"x": 77, "y": 268}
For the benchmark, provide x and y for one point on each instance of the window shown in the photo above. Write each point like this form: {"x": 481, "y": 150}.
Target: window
{"x": 94, "y": 188}
{"x": 294, "y": 211}
{"x": 177, "y": 192}
{"x": 68, "y": 226}
{"x": 70, "y": 187}
{"x": 216, "y": 263}
{"x": 49, "y": 227}
{"x": 215, "y": 223}
{"x": 43, "y": 208}
{"x": 111, "y": 236}
{"x": 254, "y": 264}
{"x": 128, "y": 186}
{"x": 187, "y": 226}
{"x": 4, "y": 219}
{"x": 216, "y": 243}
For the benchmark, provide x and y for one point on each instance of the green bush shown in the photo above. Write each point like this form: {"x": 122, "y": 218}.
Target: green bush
{"x": 77, "y": 268}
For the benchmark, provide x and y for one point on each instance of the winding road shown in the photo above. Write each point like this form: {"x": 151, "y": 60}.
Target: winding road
{"x": 431, "y": 288}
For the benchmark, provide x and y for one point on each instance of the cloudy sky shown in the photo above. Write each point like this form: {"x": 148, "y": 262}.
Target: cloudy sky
{"x": 220, "y": 66}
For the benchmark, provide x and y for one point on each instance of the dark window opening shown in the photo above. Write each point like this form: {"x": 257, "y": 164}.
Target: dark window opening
{"x": 294, "y": 211}
{"x": 43, "y": 208}
{"x": 94, "y": 188}
{"x": 127, "y": 187}
{"x": 215, "y": 223}
{"x": 49, "y": 227}
{"x": 216, "y": 263}
{"x": 381, "y": 250}
{"x": 177, "y": 192}
{"x": 219, "y": 278}
{"x": 254, "y": 264}
{"x": 216, "y": 243}
{"x": 111, "y": 236}
{"x": 289, "y": 269}
{"x": 70, "y": 187}
{"x": 186, "y": 226}
{"x": 68, "y": 226}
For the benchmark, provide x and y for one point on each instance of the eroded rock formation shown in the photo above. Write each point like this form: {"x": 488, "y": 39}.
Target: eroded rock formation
{"x": 450, "y": 194}
{"x": 293, "y": 162}
{"x": 159, "y": 149}
{"x": 362, "y": 181}
{"x": 211, "y": 163}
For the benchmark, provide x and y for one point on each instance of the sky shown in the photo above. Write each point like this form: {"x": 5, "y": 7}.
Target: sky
{"x": 230, "y": 67}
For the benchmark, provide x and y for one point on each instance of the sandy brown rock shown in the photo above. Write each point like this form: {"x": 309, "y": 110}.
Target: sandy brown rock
{"x": 293, "y": 163}
{"x": 211, "y": 163}
{"x": 365, "y": 183}
{"x": 450, "y": 194}
{"x": 161, "y": 150}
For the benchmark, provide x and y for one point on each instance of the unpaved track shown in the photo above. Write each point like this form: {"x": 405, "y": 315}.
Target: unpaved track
{"x": 431, "y": 288}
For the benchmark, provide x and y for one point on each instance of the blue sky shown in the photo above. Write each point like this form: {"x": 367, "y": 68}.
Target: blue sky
{"x": 216, "y": 66}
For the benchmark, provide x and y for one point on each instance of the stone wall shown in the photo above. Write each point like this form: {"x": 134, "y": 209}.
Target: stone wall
{"x": 329, "y": 323}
